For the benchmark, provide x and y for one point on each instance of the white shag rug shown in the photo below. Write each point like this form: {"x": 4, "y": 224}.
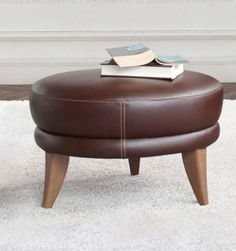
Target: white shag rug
{"x": 102, "y": 207}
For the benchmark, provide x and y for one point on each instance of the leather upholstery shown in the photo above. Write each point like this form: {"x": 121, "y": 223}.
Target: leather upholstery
{"x": 84, "y": 104}
{"x": 83, "y": 114}
{"x": 115, "y": 148}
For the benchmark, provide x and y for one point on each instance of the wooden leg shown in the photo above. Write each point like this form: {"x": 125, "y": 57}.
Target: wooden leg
{"x": 134, "y": 165}
{"x": 56, "y": 168}
{"x": 195, "y": 166}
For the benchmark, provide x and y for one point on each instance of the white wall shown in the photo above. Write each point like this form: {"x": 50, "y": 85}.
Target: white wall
{"x": 41, "y": 37}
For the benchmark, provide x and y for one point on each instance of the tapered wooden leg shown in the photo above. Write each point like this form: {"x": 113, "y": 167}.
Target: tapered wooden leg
{"x": 56, "y": 168}
{"x": 134, "y": 165}
{"x": 195, "y": 166}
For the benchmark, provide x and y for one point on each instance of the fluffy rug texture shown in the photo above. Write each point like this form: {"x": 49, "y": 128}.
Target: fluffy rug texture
{"x": 102, "y": 207}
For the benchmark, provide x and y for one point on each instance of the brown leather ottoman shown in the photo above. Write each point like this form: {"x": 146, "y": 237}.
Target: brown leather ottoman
{"x": 83, "y": 114}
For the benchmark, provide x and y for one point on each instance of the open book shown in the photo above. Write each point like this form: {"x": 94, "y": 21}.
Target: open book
{"x": 139, "y": 54}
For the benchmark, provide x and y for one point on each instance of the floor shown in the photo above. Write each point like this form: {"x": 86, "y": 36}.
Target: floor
{"x": 229, "y": 90}
{"x": 14, "y": 92}
{"x": 21, "y": 92}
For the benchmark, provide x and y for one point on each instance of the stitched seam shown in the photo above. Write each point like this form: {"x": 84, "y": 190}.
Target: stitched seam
{"x": 124, "y": 136}
{"x": 128, "y": 100}
{"x": 121, "y": 131}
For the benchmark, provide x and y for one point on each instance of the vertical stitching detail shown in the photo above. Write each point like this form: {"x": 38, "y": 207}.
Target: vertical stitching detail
{"x": 124, "y": 136}
{"x": 121, "y": 130}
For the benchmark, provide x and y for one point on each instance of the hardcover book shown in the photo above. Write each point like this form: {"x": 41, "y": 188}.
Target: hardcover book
{"x": 150, "y": 70}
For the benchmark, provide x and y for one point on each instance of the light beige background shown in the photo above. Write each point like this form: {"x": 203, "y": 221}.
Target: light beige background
{"x": 41, "y": 37}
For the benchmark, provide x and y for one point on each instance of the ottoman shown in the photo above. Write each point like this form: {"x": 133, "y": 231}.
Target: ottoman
{"x": 83, "y": 114}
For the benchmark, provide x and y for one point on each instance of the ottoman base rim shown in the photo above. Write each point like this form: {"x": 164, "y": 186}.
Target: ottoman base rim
{"x": 128, "y": 148}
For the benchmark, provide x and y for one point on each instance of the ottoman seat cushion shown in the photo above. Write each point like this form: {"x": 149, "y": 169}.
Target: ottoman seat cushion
{"x": 83, "y": 104}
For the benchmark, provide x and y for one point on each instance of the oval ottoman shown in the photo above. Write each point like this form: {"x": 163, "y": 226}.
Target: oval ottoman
{"x": 83, "y": 114}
